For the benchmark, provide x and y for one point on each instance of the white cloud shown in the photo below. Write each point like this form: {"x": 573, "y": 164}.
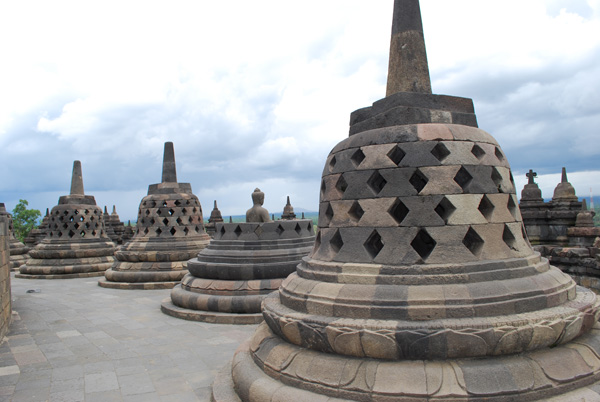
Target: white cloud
{"x": 257, "y": 93}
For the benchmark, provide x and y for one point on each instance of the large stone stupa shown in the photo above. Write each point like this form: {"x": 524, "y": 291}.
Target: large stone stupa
{"x": 421, "y": 284}
{"x": 76, "y": 245}
{"x": 18, "y": 250}
{"x": 243, "y": 263}
{"x": 169, "y": 231}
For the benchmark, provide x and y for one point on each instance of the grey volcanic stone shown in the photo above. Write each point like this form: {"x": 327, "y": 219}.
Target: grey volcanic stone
{"x": 169, "y": 231}
{"x": 76, "y": 244}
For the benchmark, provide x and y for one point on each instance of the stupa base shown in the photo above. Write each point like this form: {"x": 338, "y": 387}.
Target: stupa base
{"x": 136, "y": 285}
{"x": 213, "y": 317}
{"x": 268, "y": 368}
{"x": 60, "y": 276}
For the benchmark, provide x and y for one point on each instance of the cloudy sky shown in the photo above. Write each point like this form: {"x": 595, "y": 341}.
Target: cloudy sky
{"x": 256, "y": 93}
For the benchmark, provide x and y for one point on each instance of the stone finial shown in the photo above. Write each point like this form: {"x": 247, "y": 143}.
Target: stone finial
{"x": 215, "y": 215}
{"x": 586, "y": 217}
{"x": 230, "y": 219}
{"x": 531, "y": 191}
{"x": 2, "y": 208}
{"x": 169, "y": 172}
{"x": 564, "y": 190}
{"x": 47, "y": 212}
{"x": 530, "y": 176}
{"x": 105, "y": 210}
{"x": 257, "y": 213}
{"x": 288, "y": 211}
{"x": 408, "y": 70}
{"x": 77, "y": 179}
{"x": 114, "y": 212}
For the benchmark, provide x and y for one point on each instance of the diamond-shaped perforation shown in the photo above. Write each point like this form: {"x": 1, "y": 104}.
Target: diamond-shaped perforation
{"x": 82, "y": 233}
{"x": 373, "y": 245}
{"x": 376, "y": 182}
{"x": 478, "y": 151}
{"x": 177, "y": 203}
{"x": 298, "y": 229}
{"x": 396, "y": 154}
{"x": 499, "y": 154}
{"x": 423, "y": 244}
{"x": 509, "y": 238}
{"x": 323, "y": 188}
{"x": 280, "y": 230}
{"x": 222, "y": 230}
{"x": 165, "y": 222}
{"x": 158, "y": 212}
{"x": 238, "y": 231}
{"x": 317, "y": 241}
{"x": 332, "y": 163}
{"x": 440, "y": 152}
{"x": 356, "y": 212}
{"x": 329, "y": 213}
{"x": 173, "y": 231}
{"x": 398, "y": 211}
{"x": 158, "y": 231}
{"x": 445, "y": 209}
{"x": 341, "y": 185}
{"x": 486, "y": 207}
{"x": 186, "y": 231}
{"x": 71, "y": 233}
{"x": 357, "y": 157}
{"x": 418, "y": 180}
{"x": 512, "y": 207}
{"x": 497, "y": 179}
{"x": 336, "y": 241}
{"x": 524, "y": 234}
{"x": 463, "y": 178}
{"x": 473, "y": 242}
{"x": 171, "y": 211}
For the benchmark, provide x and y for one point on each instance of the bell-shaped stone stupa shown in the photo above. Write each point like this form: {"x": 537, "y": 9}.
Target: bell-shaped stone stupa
{"x": 170, "y": 231}
{"x": 215, "y": 217}
{"x": 288, "y": 211}
{"x": 421, "y": 284}
{"x": 18, "y": 251}
{"x": 76, "y": 245}
{"x": 242, "y": 264}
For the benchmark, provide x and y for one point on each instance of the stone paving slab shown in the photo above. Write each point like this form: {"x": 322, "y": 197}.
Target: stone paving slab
{"x": 74, "y": 341}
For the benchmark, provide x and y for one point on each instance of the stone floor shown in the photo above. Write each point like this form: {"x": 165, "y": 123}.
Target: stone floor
{"x": 72, "y": 340}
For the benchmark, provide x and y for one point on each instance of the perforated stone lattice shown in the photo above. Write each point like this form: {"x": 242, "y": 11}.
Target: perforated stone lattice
{"x": 159, "y": 216}
{"x": 448, "y": 184}
{"x": 66, "y": 222}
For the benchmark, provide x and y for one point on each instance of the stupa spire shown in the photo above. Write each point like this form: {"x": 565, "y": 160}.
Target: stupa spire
{"x": 77, "y": 179}
{"x": 169, "y": 172}
{"x": 408, "y": 70}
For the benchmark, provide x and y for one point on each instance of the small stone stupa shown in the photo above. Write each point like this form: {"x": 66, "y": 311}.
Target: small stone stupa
{"x": 76, "y": 245}
{"x": 215, "y": 217}
{"x": 421, "y": 284}
{"x": 170, "y": 231}
{"x": 18, "y": 250}
{"x": 128, "y": 232}
{"x": 547, "y": 223}
{"x": 116, "y": 225}
{"x": 288, "y": 211}
{"x": 38, "y": 234}
{"x": 110, "y": 232}
{"x": 243, "y": 263}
